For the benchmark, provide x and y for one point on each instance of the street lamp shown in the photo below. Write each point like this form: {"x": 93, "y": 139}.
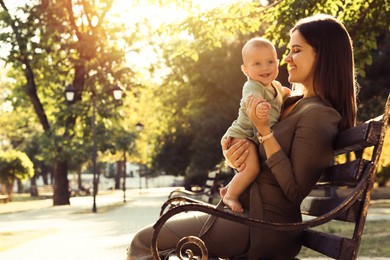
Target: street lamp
{"x": 70, "y": 94}
{"x": 139, "y": 127}
{"x": 117, "y": 92}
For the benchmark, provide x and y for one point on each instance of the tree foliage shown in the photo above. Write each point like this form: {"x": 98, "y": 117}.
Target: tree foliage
{"x": 204, "y": 85}
{"x": 14, "y": 165}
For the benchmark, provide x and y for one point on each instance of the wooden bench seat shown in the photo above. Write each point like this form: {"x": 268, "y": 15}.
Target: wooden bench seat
{"x": 45, "y": 191}
{"x": 4, "y": 198}
{"x": 356, "y": 175}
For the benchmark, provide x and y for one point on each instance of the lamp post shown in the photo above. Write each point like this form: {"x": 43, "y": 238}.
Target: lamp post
{"x": 70, "y": 94}
{"x": 139, "y": 127}
{"x": 94, "y": 152}
{"x": 124, "y": 176}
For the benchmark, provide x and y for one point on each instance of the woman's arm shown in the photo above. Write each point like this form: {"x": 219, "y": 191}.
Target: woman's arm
{"x": 310, "y": 152}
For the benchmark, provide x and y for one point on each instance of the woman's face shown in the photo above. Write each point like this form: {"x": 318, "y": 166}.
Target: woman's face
{"x": 300, "y": 61}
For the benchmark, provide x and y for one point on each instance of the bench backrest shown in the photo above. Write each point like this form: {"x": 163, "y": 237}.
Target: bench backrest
{"x": 355, "y": 176}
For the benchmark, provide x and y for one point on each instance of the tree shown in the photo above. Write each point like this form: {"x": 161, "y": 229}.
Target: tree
{"x": 14, "y": 165}
{"x": 56, "y": 43}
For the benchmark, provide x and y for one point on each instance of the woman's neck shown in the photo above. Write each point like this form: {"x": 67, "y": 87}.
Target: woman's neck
{"x": 308, "y": 91}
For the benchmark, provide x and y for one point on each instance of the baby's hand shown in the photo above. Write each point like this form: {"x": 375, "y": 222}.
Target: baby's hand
{"x": 262, "y": 110}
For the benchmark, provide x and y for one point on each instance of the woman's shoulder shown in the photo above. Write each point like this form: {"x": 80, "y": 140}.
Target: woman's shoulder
{"x": 315, "y": 109}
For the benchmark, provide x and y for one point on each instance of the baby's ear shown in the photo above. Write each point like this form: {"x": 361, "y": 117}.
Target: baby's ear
{"x": 244, "y": 70}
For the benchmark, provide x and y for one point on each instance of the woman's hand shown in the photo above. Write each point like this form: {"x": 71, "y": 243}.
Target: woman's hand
{"x": 235, "y": 154}
{"x": 257, "y": 110}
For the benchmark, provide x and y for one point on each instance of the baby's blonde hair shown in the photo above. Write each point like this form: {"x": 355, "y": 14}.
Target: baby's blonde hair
{"x": 256, "y": 42}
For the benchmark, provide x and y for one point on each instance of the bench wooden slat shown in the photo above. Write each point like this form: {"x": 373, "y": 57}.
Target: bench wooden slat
{"x": 318, "y": 206}
{"x": 328, "y": 244}
{"x": 357, "y": 138}
{"x": 346, "y": 174}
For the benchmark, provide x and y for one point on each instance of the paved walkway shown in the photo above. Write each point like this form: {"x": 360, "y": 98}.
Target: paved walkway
{"x": 74, "y": 232}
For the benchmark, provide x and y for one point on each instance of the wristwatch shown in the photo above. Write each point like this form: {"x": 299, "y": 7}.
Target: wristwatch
{"x": 265, "y": 137}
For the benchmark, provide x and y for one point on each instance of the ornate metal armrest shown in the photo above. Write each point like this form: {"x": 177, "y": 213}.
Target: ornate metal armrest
{"x": 178, "y": 201}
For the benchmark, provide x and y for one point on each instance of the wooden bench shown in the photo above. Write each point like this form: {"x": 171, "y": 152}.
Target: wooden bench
{"x": 4, "y": 198}
{"x": 205, "y": 193}
{"x": 45, "y": 191}
{"x": 356, "y": 174}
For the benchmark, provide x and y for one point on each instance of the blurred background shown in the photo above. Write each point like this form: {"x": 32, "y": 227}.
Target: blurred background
{"x": 117, "y": 94}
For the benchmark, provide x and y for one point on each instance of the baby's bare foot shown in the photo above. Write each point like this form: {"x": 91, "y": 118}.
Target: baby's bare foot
{"x": 233, "y": 204}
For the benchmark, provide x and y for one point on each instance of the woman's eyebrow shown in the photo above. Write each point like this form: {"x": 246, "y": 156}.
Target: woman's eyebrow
{"x": 296, "y": 46}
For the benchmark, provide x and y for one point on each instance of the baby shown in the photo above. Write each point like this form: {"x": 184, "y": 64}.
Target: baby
{"x": 260, "y": 65}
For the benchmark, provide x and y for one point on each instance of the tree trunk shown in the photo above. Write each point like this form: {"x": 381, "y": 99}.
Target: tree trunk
{"x": 19, "y": 186}
{"x": 61, "y": 185}
{"x": 118, "y": 175}
{"x": 10, "y": 189}
{"x": 33, "y": 187}
{"x": 79, "y": 180}
{"x": 44, "y": 174}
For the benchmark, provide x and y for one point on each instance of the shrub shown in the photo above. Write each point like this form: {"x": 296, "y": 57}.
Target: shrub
{"x": 14, "y": 165}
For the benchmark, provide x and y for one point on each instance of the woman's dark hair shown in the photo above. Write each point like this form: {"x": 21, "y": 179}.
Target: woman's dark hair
{"x": 334, "y": 73}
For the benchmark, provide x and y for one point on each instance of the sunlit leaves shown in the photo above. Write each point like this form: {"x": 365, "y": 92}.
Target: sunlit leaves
{"x": 14, "y": 165}
{"x": 206, "y": 30}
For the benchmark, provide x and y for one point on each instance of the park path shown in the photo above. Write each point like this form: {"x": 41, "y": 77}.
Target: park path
{"x": 74, "y": 232}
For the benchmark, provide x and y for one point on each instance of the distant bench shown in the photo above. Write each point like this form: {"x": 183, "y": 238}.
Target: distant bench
{"x": 45, "y": 191}
{"x": 4, "y": 198}
{"x": 205, "y": 193}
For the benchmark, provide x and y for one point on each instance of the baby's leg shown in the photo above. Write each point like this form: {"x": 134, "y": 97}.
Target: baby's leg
{"x": 223, "y": 190}
{"x": 243, "y": 179}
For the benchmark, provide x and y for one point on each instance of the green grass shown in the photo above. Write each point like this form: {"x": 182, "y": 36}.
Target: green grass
{"x": 20, "y": 197}
{"x": 375, "y": 241}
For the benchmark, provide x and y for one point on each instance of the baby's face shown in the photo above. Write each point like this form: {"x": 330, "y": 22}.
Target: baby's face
{"x": 261, "y": 64}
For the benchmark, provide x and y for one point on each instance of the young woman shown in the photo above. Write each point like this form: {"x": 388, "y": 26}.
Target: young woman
{"x": 292, "y": 156}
